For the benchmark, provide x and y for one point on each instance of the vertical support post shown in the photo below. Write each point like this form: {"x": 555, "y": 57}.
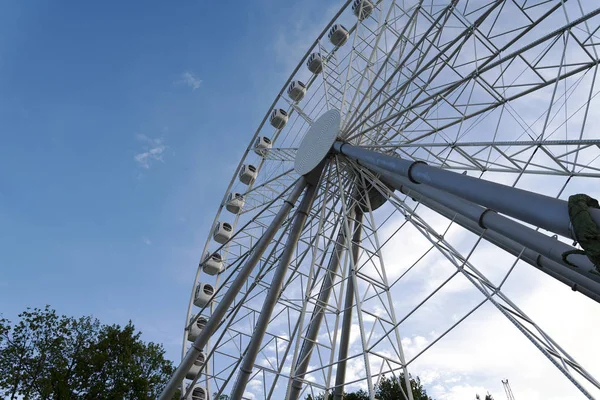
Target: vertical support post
{"x": 295, "y": 386}
{"x": 273, "y": 293}
{"x": 340, "y": 376}
{"x": 220, "y": 311}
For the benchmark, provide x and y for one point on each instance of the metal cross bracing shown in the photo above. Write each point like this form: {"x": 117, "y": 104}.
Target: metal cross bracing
{"x": 491, "y": 292}
{"x": 230, "y": 329}
{"x": 500, "y": 90}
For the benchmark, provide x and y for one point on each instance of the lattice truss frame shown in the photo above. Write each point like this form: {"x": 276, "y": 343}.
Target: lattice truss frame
{"x": 501, "y": 90}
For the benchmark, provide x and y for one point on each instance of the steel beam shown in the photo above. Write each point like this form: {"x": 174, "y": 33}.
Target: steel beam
{"x": 219, "y": 312}
{"x": 273, "y": 294}
{"x": 340, "y": 377}
{"x": 536, "y": 209}
{"x": 318, "y": 313}
{"x": 537, "y": 243}
{"x": 557, "y": 271}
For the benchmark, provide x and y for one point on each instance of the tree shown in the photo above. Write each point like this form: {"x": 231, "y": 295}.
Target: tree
{"x": 386, "y": 389}
{"x": 395, "y": 387}
{"x": 47, "y": 356}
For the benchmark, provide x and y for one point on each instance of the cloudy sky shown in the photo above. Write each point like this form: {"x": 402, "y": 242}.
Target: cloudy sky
{"x": 121, "y": 124}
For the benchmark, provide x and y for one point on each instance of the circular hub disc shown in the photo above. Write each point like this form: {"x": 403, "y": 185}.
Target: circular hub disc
{"x": 317, "y": 142}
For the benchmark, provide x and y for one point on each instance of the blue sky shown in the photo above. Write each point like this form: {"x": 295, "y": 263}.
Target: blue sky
{"x": 92, "y": 219}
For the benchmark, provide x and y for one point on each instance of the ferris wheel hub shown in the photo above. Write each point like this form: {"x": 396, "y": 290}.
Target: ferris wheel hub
{"x": 317, "y": 142}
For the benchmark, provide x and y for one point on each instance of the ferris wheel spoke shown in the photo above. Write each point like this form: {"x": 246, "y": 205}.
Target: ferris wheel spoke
{"x": 486, "y": 61}
{"x": 526, "y": 86}
{"x": 436, "y": 28}
{"x": 366, "y": 39}
{"x": 370, "y": 60}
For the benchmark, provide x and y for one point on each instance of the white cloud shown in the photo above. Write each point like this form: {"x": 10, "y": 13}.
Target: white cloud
{"x": 153, "y": 150}
{"x": 146, "y": 240}
{"x": 189, "y": 79}
{"x": 249, "y": 395}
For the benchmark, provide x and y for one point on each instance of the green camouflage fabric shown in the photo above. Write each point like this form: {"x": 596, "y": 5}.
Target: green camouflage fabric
{"x": 586, "y": 231}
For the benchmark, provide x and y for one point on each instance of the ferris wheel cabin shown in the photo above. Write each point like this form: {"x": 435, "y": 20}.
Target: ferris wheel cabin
{"x": 315, "y": 63}
{"x": 198, "y": 392}
{"x": 296, "y": 91}
{"x": 279, "y": 118}
{"x": 362, "y": 8}
{"x": 222, "y": 232}
{"x": 197, "y": 327}
{"x": 204, "y": 294}
{"x": 263, "y": 143}
{"x": 248, "y": 174}
{"x": 235, "y": 202}
{"x": 195, "y": 368}
{"x": 213, "y": 264}
{"x": 338, "y": 35}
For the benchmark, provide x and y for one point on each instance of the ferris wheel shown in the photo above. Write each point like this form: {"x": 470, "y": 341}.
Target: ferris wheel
{"x": 420, "y": 150}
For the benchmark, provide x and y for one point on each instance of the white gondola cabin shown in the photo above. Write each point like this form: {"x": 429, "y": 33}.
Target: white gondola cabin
{"x": 263, "y": 143}
{"x": 196, "y": 328}
{"x": 222, "y": 232}
{"x": 315, "y": 63}
{"x": 212, "y": 264}
{"x": 198, "y": 392}
{"x": 235, "y": 202}
{"x": 204, "y": 294}
{"x": 248, "y": 174}
{"x": 362, "y": 8}
{"x": 279, "y": 118}
{"x": 338, "y": 35}
{"x": 195, "y": 368}
{"x": 296, "y": 91}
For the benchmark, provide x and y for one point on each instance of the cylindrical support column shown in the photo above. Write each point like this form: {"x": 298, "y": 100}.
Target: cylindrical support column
{"x": 486, "y": 219}
{"x": 316, "y": 318}
{"x": 340, "y": 377}
{"x": 273, "y": 293}
{"x": 536, "y": 209}
{"x": 239, "y": 281}
{"x": 557, "y": 271}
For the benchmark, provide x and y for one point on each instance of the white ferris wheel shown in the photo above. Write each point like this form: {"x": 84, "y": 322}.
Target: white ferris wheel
{"x": 418, "y": 147}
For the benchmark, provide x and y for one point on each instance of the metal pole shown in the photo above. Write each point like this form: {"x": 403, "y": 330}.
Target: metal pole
{"x": 536, "y": 209}
{"x": 229, "y": 297}
{"x": 315, "y": 321}
{"x": 340, "y": 376}
{"x": 273, "y": 294}
{"x": 557, "y": 271}
{"x": 522, "y": 235}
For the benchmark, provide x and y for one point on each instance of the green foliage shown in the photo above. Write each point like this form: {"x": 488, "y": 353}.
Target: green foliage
{"x": 395, "y": 388}
{"x": 47, "y": 356}
{"x": 387, "y": 389}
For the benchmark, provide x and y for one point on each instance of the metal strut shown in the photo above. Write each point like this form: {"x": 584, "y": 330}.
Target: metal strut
{"x": 295, "y": 386}
{"x": 513, "y": 230}
{"x": 273, "y": 294}
{"x": 569, "y": 277}
{"x": 215, "y": 319}
{"x": 536, "y": 209}
{"x": 340, "y": 376}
